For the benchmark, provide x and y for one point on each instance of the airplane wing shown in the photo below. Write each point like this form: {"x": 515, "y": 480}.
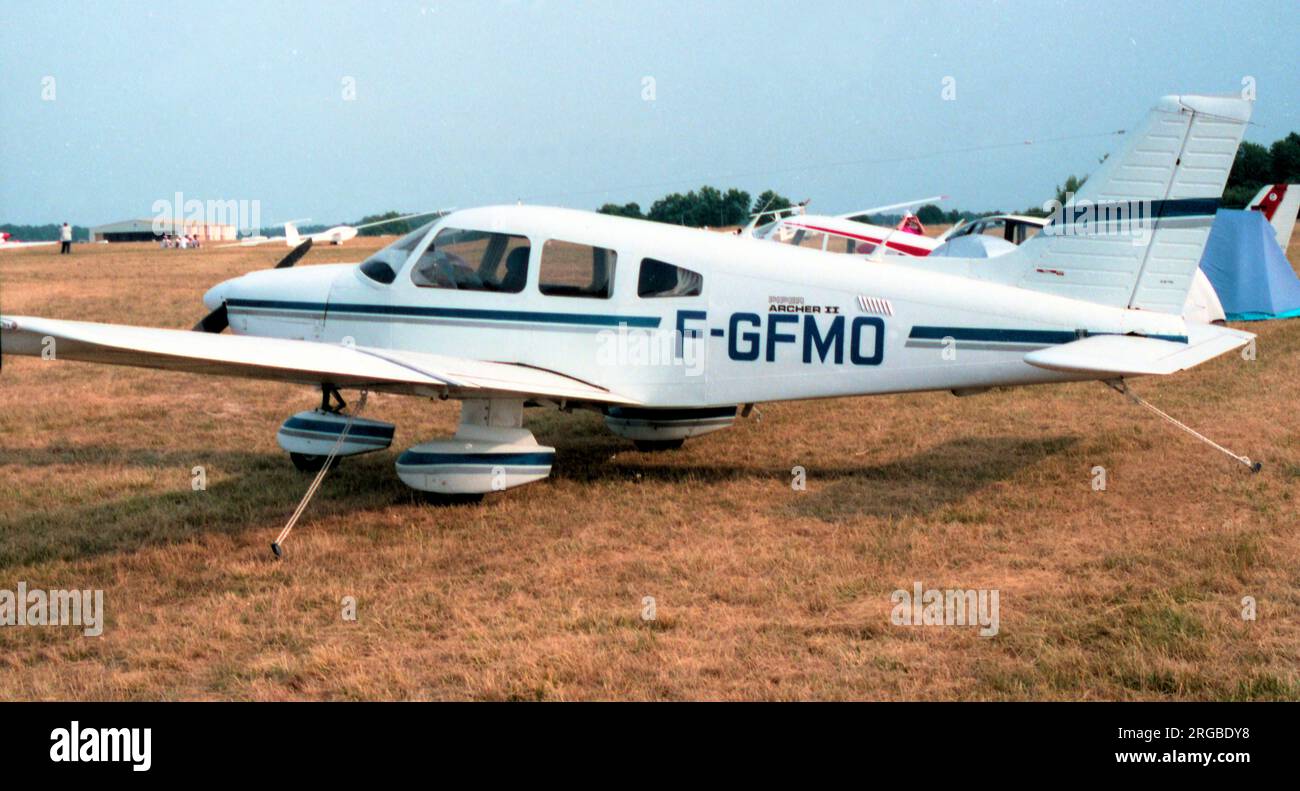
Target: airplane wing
{"x": 252, "y": 241}
{"x": 904, "y": 205}
{"x": 1133, "y": 355}
{"x": 300, "y": 362}
{"x": 404, "y": 217}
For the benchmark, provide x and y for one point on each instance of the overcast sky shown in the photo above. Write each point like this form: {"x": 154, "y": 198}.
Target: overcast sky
{"x": 550, "y": 102}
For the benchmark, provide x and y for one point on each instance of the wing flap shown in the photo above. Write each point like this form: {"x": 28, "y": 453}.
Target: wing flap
{"x": 1134, "y": 355}
{"x": 278, "y": 359}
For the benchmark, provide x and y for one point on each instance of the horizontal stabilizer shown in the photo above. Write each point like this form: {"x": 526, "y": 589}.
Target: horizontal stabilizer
{"x": 1104, "y": 356}
{"x": 284, "y": 360}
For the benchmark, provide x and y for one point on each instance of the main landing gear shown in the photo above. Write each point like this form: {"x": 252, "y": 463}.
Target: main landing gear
{"x": 490, "y": 452}
{"x": 659, "y": 430}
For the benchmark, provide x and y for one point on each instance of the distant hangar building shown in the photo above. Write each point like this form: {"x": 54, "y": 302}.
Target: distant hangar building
{"x": 143, "y": 231}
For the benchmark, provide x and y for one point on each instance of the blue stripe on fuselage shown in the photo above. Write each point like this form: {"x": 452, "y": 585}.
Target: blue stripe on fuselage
{"x": 992, "y": 334}
{"x": 996, "y": 335}
{"x": 410, "y": 311}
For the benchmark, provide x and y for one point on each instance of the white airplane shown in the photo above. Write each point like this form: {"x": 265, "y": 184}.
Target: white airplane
{"x": 669, "y": 332}
{"x": 842, "y": 234}
{"x": 336, "y": 235}
{"x": 7, "y": 242}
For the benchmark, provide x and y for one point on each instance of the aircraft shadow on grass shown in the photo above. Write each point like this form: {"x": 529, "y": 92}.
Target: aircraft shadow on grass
{"x": 922, "y": 483}
{"x": 927, "y": 482}
{"x": 266, "y": 489}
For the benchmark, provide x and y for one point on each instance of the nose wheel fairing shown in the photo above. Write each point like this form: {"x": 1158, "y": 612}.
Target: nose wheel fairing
{"x": 315, "y": 433}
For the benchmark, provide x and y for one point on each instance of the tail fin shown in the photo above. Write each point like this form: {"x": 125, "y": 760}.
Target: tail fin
{"x": 291, "y": 234}
{"x": 1280, "y": 203}
{"x": 1133, "y": 236}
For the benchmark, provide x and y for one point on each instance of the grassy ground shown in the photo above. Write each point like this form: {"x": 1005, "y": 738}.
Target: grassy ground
{"x": 760, "y": 591}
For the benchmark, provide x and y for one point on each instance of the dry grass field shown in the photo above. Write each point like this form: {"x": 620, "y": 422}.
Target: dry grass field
{"x": 761, "y": 591}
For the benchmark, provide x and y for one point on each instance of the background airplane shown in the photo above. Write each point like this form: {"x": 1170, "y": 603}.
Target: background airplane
{"x": 1280, "y": 203}
{"x": 336, "y": 235}
{"x": 842, "y": 234}
{"x": 7, "y": 242}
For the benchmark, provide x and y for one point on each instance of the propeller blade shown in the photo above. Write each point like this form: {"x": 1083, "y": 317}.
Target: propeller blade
{"x": 294, "y": 255}
{"x": 216, "y": 321}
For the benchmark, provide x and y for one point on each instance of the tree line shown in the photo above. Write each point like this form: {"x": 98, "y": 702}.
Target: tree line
{"x": 1257, "y": 166}
{"x": 42, "y": 233}
{"x": 712, "y": 207}
{"x": 705, "y": 207}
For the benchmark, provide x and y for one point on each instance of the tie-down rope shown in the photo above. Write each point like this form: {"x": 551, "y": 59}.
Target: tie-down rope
{"x": 1119, "y": 386}
{"x": 276, "y": 545}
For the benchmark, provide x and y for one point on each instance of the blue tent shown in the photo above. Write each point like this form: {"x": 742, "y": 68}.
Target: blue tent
{"x": 1247, "y": 268}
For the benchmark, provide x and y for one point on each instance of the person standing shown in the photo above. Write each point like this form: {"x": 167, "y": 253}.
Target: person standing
{"x": 65, "y": 237}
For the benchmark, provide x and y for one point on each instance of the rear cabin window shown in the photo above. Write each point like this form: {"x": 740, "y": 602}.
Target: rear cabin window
{"x": 662, "y": 279}
{"x": 576, "y": 270}
{"x": 474, "y": 261}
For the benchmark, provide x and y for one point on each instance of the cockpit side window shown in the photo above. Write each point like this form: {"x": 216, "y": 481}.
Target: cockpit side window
{"x": 474, "y": 261}
{"x": 661, "y": 279}
{"x": 570, "y": 269}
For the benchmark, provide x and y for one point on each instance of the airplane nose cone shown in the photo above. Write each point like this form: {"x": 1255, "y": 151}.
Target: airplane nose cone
{"x": 309, "y": 285}
{"x": 216, "y": 295}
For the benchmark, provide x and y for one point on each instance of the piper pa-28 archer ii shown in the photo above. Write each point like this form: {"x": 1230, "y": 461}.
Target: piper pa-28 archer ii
{"x": 514, "y": 306}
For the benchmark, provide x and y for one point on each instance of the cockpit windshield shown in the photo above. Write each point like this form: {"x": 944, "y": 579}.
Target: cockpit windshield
{"x": 382, "y": 266}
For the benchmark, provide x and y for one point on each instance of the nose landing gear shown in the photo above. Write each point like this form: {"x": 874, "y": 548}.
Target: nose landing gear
{"x": 309, "y": 437}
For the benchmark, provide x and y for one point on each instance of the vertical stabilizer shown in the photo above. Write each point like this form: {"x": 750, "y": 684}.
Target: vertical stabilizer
{"x": 1133, "y": 236}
